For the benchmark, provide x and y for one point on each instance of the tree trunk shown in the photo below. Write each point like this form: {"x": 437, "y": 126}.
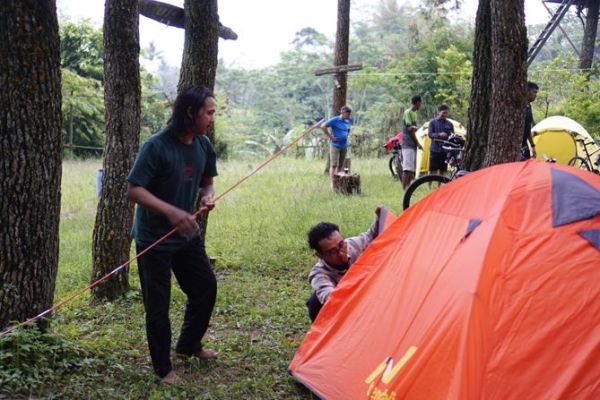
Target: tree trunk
{"x": 342, "y": 38}
{"x": 200, "y": 52}
{"x": 481, "y": 87}
{"x": 498, "y": 96}
{"x": 114, "y": 217}
{"x": 509, "y": 78}
{"x": 201, "y": 45}
{"x": 589, "y": 35}
{"x": 30, "y": 157}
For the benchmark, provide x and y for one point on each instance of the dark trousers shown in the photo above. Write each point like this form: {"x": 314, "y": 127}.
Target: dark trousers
{"x": 437, "y": 161}
{"x": 192, "y": 270}
{"x": 314, "y": 306}
{"x": 525, "y": 153}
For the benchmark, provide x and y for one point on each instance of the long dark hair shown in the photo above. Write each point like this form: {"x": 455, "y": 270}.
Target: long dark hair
{"x": 192, "y": 97}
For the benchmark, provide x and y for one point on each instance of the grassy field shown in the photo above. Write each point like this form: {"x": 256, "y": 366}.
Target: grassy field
{"x": 257, "y": 234}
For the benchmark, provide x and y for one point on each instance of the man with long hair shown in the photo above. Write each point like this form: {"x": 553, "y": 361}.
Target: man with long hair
{"x": 173, "y": 167}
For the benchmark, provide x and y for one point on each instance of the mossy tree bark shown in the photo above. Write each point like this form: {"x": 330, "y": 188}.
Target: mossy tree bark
{"x": 589, "y": 35}
{"x": 200, "y": 52}
{"x": 342, "y": 41}
{"x": 201, "y": 45}
{"x": 30, "y": 157}
{"x": 340, "y": 57}
{"x": 481, "y": 87}
{"x": 122, "y": 92}
{"x": 498, "y": 98}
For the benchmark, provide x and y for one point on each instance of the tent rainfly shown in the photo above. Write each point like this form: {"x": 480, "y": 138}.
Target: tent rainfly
{"x": 489, "y": 288}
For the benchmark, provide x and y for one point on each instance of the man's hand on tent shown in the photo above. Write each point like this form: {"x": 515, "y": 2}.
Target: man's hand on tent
{"x": 378, "y": 215}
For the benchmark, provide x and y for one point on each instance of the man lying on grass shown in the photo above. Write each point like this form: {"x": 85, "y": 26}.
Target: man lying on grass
{"x": 336, "y": 255}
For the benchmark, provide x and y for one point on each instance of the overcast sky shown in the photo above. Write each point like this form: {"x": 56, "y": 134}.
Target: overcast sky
{"x": 265, "y": 27}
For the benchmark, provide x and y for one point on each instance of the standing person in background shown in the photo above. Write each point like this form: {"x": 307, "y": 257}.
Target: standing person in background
{"x": 439, "y": 128}
{"x": 526, "y": 154}
{"x": 172, "y": 168}
{"x": 410, "y": 142}
{"x": 338, "y": 139}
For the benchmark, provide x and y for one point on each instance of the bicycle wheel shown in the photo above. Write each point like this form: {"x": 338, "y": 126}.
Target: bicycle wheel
{"x": 392, "y": 166}
{"x": 421, "y": 187}
{"x": 579, "y": 162}
{"x": 395, "y": 166}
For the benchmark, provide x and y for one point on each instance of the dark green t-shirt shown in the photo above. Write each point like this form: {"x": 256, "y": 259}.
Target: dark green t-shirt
{"x": 173, "y": 172}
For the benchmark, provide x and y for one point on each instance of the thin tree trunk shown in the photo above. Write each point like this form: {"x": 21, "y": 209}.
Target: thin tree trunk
{"x": 200, "y": 52}
{"x": 114, "y": 217}
{"x": 340, "y": 57}
{"x": 481, "y": 87}
{"x": 201, "y": 45}
{"x": 30, "y": 157}
{"x": 509, "y": 77}
{"x": 589, "y": 35}
{"x": 342, "y": 39}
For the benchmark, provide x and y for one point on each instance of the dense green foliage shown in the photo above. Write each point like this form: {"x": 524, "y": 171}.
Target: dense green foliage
{"x": 257, "y": 234}
{"x": 404, "y": 50}
{"x": 83, "y": 88}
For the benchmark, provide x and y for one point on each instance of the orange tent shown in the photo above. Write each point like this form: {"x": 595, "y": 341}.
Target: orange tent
{"x": 489, "y": 288}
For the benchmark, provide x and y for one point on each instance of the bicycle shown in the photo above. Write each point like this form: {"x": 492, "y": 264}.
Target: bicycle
{"x": 586, "y": 162}
{"x": 395, "y": 163}
{"x": 424, "y": 185}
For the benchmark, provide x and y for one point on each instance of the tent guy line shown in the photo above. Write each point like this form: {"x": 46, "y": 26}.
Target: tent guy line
{"x": 196, "y": 214}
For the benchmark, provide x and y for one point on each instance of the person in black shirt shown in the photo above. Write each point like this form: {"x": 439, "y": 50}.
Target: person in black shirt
{"x": 172, "y": 169}
{"x": 439, "y": 129}
{"x": 526, "y": 154}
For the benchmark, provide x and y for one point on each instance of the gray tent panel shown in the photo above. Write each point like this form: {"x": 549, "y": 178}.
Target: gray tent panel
{"x": 572, "y": 199}
{"x": 592, "y": 236}
{"x": 382, "y": 216}
{"x": 473, "y": 223}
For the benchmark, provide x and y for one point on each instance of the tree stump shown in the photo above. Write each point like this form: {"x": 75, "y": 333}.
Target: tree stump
{"x": 346, "y": 183}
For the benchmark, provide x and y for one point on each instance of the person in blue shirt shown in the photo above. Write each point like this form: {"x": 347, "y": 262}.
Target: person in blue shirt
{"x": 338, "y": 139}
{"x": 173, "y": 168}
{"x": 439, "y": 128}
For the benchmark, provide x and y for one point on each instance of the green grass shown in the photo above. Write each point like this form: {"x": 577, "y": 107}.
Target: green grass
{"x": 257, "y": 234}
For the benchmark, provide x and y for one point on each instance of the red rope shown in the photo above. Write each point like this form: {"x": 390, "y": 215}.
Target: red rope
{"x": 197, "y": 213}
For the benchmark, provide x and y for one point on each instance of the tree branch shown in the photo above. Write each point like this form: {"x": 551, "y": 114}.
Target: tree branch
{"x": 171, "y": 15}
